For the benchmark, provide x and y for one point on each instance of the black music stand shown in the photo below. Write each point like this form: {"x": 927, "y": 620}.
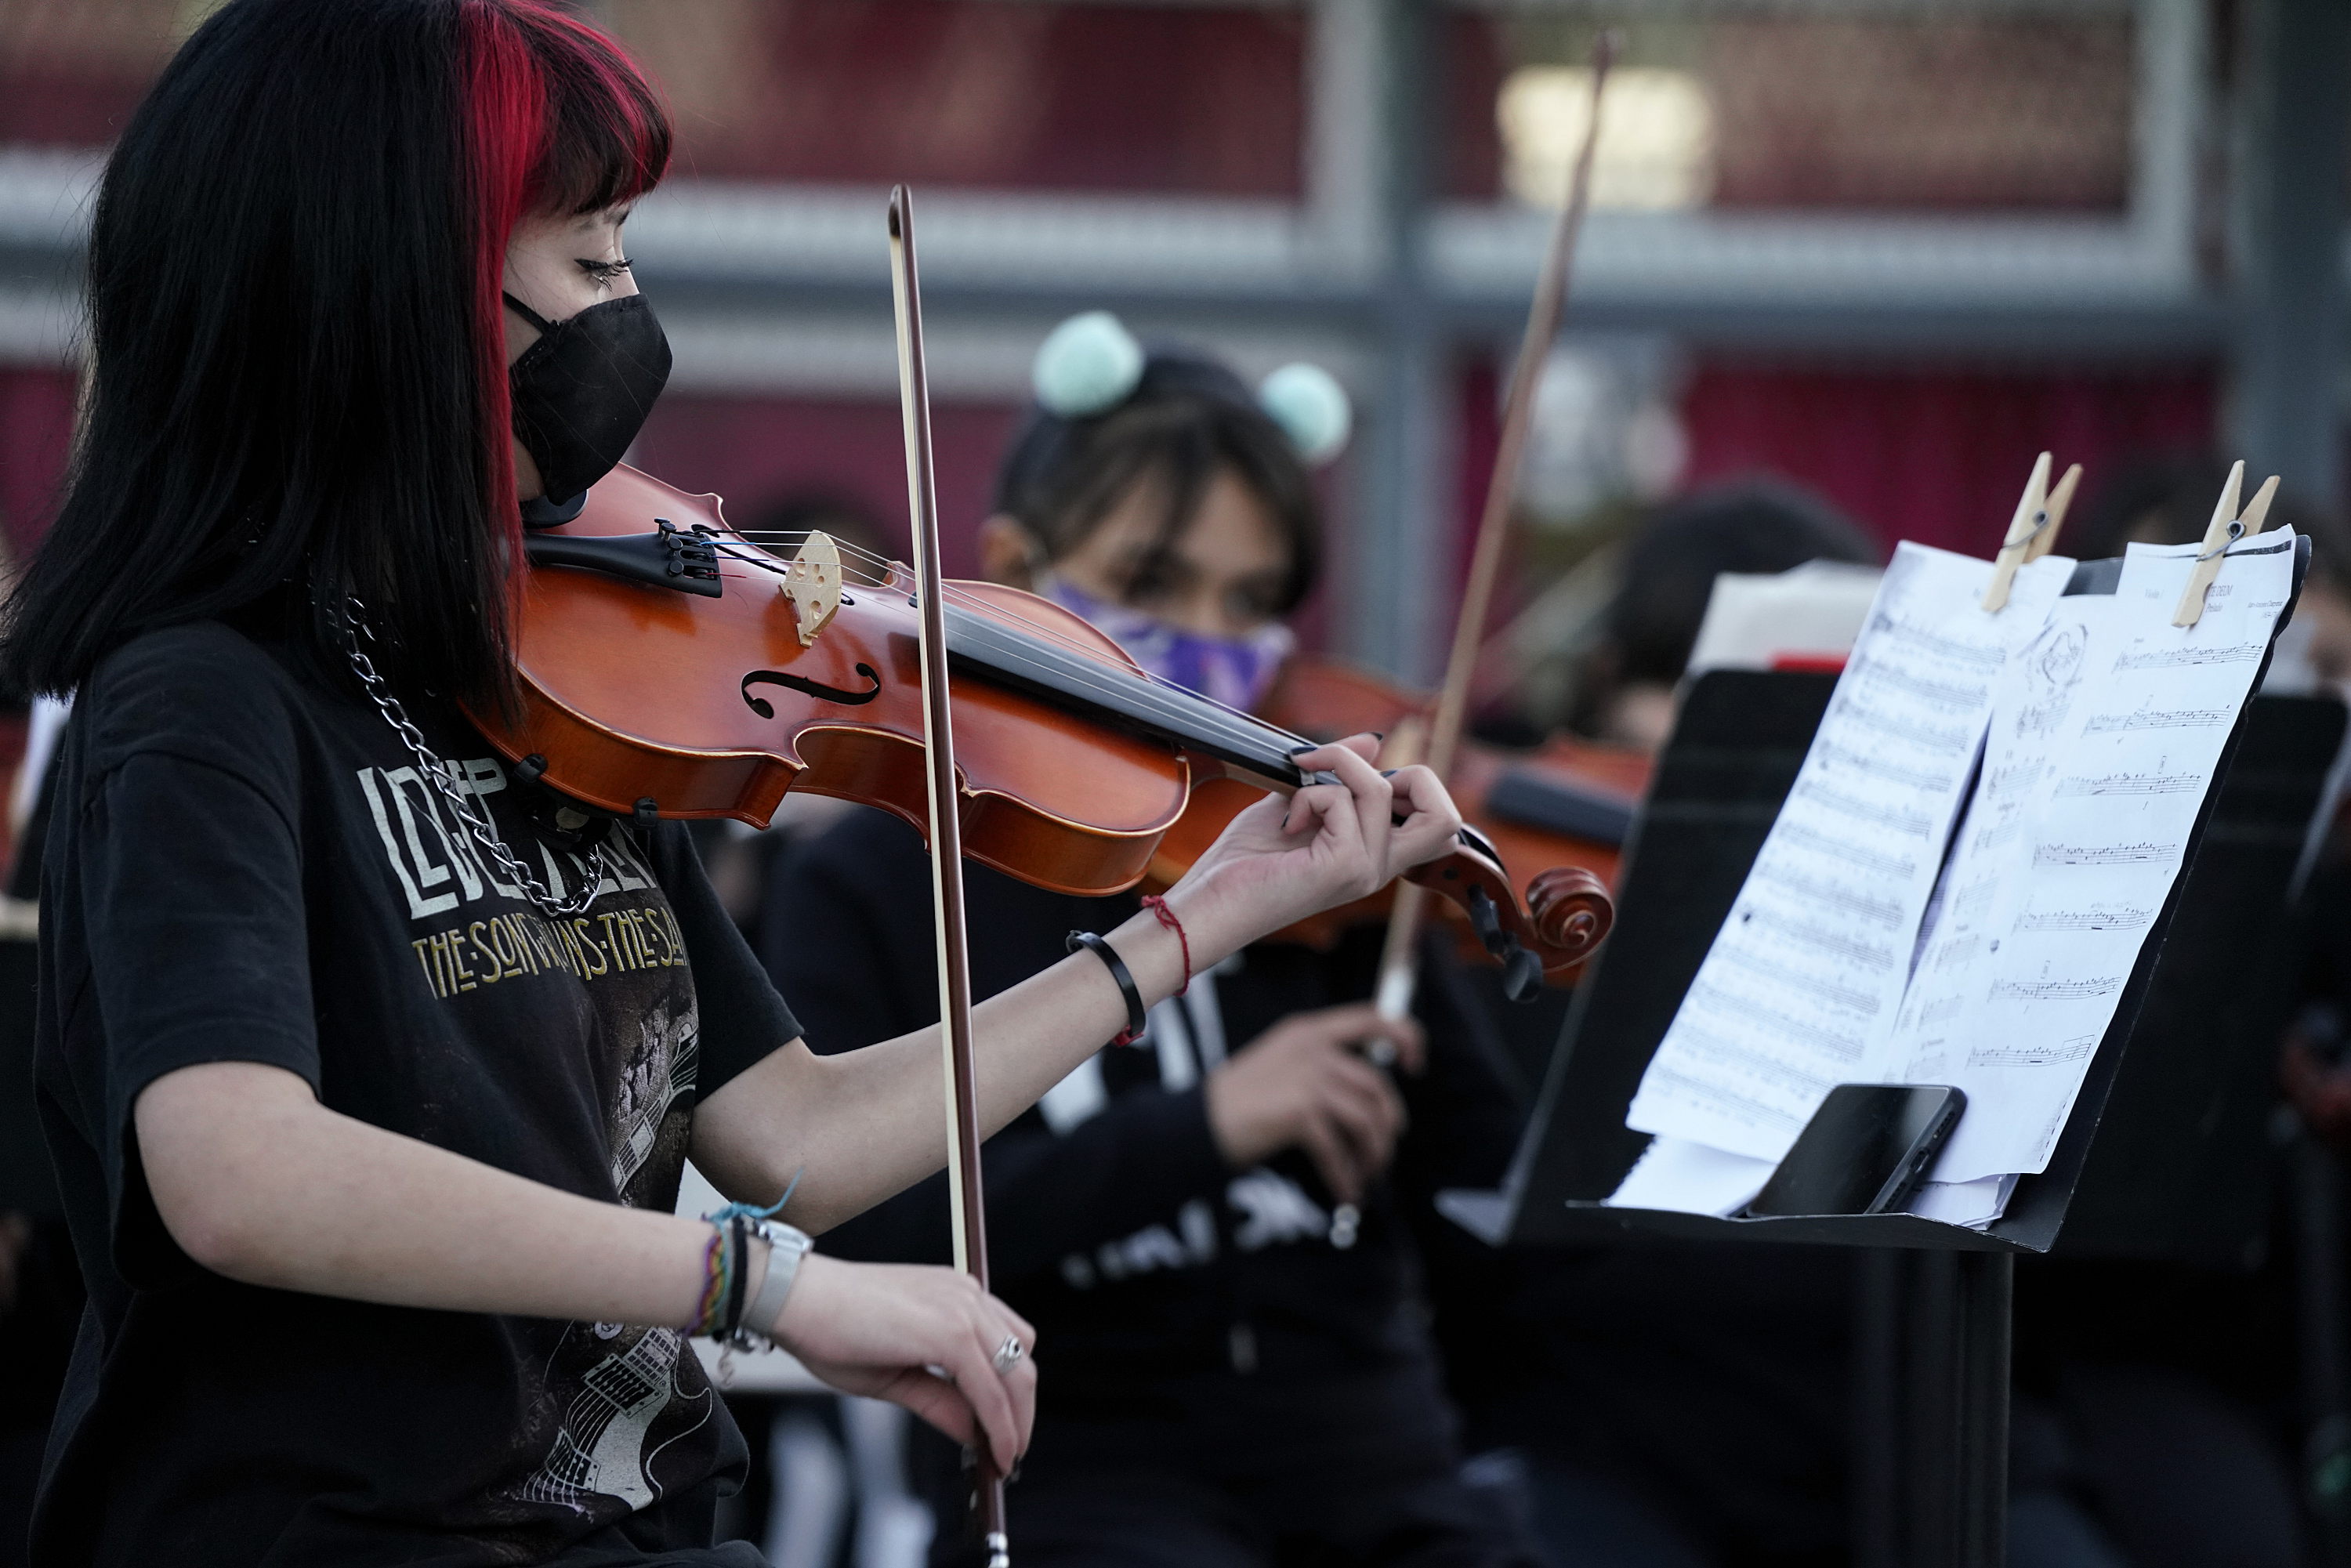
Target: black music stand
{"x": 2162, "y": 1158}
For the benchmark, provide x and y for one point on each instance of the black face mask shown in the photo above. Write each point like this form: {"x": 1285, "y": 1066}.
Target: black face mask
{"x": 582, "y": 390}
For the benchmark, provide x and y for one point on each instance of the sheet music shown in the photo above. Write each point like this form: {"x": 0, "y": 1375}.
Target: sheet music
{"x": 1803, "y": 982}
{"x": 2074, "y": 841}
{"x": 1975, "y": 903}
{"x": 1687, "y": 1177}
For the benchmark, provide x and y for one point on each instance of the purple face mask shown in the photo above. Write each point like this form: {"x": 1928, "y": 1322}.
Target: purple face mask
{"x": 1234, "y": 670}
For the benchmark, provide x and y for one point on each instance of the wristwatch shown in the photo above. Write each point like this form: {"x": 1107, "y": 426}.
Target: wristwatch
{"x": 787, "y": 1245}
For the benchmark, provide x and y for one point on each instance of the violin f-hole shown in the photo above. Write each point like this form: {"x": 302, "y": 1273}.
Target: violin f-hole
{"x": 816, "y": 689}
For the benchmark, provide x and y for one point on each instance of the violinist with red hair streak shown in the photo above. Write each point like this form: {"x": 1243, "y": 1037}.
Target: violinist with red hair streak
{"x": 368, "y": 1072}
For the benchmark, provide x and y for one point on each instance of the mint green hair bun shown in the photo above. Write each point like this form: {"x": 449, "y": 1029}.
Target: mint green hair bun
{"x": 1087, "y": 365}
{"x": 1311, "y": 408}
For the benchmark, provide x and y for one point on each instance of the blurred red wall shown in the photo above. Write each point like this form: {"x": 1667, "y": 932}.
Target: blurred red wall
{"x": 35, "y": 432}
{"x": 1193, "y": 98}
{"x": 1937, "y": 454}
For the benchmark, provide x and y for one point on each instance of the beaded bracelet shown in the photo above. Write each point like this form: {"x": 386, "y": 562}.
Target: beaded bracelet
{"x": 715, "y": 1269}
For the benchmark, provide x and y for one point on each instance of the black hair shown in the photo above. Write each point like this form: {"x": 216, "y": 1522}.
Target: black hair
{"x": 1756, "y": 525}
{"x": 299, "y": 396}
{"x": 2156, "y": 500}
{"x": 1188, "y": 417}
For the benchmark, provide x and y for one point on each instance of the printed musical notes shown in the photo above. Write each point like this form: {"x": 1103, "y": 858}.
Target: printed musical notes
{"x": 2094, "y": 916}
{"x": 2104, "y": 836}
{"x": 2031, "y": 1053}
{"x": 2162, "y": 717}
{"x": 2038, "y": 696}
{"x": 2183, "y": 658}
{"x": 1886, "y": 934}
{"x": 2142, "y": 783}
{"x": 2056, "y": 991}
{"x": 1803, "y": 982}
{"x": 2140, "y": 853}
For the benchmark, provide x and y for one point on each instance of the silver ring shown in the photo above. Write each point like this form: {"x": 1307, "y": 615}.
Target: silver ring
{"x": 1007, "y": 1354}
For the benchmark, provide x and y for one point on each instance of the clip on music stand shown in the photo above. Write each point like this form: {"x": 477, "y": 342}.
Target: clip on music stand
{"x": 2160, "y": 1159}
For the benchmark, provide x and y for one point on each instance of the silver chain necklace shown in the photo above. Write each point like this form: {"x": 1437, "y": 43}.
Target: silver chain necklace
{"x": 475, "y": 821}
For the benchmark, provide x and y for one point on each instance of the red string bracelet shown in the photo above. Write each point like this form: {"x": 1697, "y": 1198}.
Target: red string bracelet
{"x": 1166, "y": 916}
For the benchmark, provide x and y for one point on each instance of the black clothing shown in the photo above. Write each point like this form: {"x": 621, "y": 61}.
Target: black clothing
{"x": 248, "y": 866}
{"x": 28, "y": 1185}
{"x": 1709, "y": 1386}
{"x": 1195, "y": 1321}
{"x": 37, "y": 1327}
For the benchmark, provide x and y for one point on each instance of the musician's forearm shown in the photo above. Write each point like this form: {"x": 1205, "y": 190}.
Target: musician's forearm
{"x": 260, "y": 1183}
{"x": 864, "y": 1125}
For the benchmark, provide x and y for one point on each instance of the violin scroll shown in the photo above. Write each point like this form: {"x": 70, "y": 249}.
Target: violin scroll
{"x": 1571, "y": 910}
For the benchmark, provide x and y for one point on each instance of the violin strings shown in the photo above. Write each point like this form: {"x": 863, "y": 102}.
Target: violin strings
{"x": 1174, "y": 708}
{"x": 1177, "y": 706}
{"x": 1238, "y": 726}
{"x": 1251, "y": 722}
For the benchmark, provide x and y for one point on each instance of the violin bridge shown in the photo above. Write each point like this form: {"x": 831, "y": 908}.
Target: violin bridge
{"x": 813, "y": 582}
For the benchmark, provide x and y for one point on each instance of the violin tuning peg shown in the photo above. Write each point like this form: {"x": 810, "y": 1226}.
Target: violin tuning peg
{"x": 1486, "y": 923}
{"x": 1521, "y": 974}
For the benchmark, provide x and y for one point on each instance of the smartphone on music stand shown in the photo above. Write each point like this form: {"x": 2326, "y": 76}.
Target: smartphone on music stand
{"x": 1864, "y": 1151}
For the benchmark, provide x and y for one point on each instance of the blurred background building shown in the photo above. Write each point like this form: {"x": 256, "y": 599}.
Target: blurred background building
{"x": 1886, "y": 248}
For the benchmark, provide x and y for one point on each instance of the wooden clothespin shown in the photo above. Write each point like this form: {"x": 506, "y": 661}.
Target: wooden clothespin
{"x": 2039, "y": 513}
{"x": 2228, "y": 526}
{"x": 2044, "y": 536}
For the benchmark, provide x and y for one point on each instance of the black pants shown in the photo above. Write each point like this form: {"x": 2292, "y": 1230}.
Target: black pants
{"x": 1160, "y": 1518}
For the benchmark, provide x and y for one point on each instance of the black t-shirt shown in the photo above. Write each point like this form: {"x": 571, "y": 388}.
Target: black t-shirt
{"x": 248, "y": 866}
{"x": 1189, "y": 1315}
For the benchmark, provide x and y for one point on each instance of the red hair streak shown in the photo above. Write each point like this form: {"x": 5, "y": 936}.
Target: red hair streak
{"x": 558, "y": 119}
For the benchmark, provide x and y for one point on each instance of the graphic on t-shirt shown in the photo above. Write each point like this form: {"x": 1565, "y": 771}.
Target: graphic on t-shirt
{"x": 659, "y": 1076}
{"x": 437, "y": 864}
{"x": 605, "y": 1448}
{"x": 632, "y": 1392}
{"x": 610, "y": 1398}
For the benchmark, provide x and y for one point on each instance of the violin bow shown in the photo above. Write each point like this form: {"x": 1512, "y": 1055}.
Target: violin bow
{"x": 1399, "y": 958}
{"x": 947, "y": 824}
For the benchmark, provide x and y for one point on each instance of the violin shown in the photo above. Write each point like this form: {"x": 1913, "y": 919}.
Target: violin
{"x": 670, "y": 666}
{"x": 1566, "y": 803}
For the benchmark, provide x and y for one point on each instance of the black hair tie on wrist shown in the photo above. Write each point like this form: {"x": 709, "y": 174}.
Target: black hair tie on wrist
{"x": 739, "y": 1239}
{"x": 1135, "y": 1019}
